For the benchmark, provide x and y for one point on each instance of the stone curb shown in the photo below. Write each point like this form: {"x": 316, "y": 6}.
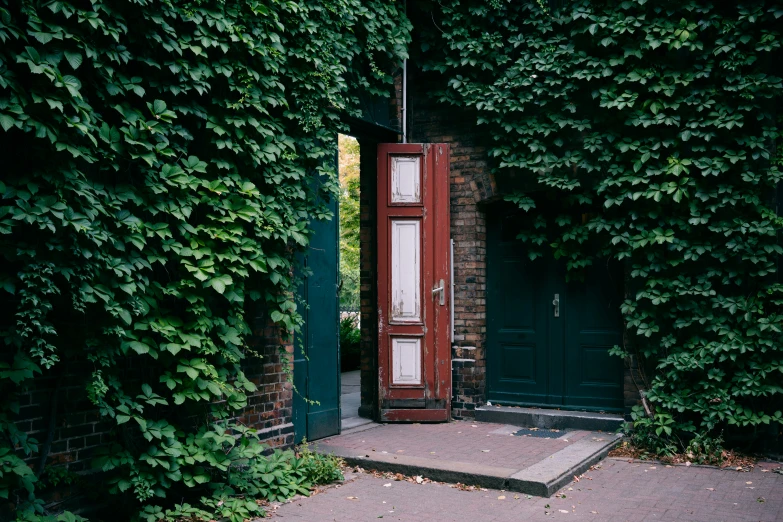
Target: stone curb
{"x": 549, "y": 475}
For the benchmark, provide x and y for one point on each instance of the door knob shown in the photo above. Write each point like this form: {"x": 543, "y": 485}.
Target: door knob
{"x": 556, "y": 303}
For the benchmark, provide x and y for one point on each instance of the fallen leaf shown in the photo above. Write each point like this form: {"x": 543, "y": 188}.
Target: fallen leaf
{"x": 710, "y": 489}
{"x": 352, "y": 498}
{"x": 387, "y": 485}
{"x": 502, "y": 497}
{"x": 419, "y": 480}
{"x": 485, "y": 451}
{"x": 516, "y": 497}
{"x": 594, "y": 512}
{"x": 687, "y": 463}
{"x": 576, "y": 479}
{"x": 563, "y": 510}
{"x": 749, "y": 482}
{"x": 474, "y": 426}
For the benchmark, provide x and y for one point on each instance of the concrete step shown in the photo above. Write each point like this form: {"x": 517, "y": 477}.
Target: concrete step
{"x": 543, "y": 478}
{"x": 549, "y": 419}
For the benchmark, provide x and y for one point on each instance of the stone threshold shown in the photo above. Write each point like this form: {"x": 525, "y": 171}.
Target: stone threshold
{"x": 549, "y": 418}
{"x": 541, "y": 479}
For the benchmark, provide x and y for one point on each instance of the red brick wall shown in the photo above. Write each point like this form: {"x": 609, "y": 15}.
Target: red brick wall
{"x": 429, "y": 122}
{"x": 77, "y": 429}
{"x": 270, "y": 408}
{"x": 368, "y": 279}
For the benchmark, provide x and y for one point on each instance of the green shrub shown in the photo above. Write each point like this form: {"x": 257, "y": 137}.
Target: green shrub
{"x": 243, "y": 475}
{"x": 321, "y": 469}
{"x": 661, "y": 436}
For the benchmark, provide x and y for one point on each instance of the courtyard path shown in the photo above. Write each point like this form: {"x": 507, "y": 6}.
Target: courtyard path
{"x": 615, "y": 490}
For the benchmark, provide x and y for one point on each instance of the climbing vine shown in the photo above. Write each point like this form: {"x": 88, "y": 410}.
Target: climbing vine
{"x": 650, "y": 133}
{"x": 162, "y": 162}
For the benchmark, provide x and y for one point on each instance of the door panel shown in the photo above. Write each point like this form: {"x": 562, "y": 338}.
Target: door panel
{"x": 593, "y": 327}
{"x": 539, "y": 359}
{"x": 414, "y": 362}
{"x": 517, "y": 322}
{"x": 316, "y": 357}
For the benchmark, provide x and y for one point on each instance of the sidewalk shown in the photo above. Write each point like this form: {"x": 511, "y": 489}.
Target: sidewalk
{"x": 490, "y": 455}
{"x": 618, "y": 490}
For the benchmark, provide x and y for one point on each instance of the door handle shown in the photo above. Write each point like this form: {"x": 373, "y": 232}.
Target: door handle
{"x": 556, "y": 303}
{"x": 442, "y": 290}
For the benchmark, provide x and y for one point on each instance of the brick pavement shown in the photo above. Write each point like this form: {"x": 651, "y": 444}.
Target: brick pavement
{"x": 458, "y": 441}
{"x": 617, "y": 491}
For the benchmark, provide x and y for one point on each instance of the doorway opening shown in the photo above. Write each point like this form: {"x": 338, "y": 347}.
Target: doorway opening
{"x": 349, "y": 154}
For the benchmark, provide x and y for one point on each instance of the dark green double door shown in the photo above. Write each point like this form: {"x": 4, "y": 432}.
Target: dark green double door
{"x": 548, "y": 339}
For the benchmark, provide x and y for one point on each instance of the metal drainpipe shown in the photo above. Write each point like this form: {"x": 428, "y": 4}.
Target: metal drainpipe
{"x": 404, "y": 100}
{"x": 405, "y": 89}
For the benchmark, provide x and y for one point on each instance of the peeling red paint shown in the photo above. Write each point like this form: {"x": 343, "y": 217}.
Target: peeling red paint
{"x": 430, "y": 392}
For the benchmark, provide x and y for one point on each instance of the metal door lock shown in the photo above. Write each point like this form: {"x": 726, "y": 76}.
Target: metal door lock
{"x": 556, "y": 303}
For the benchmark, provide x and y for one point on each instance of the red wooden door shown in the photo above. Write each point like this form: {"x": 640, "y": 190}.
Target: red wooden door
{"x": 414, "y": 351}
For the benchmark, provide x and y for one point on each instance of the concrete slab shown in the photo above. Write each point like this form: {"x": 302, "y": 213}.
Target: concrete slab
{"x": 549, "y": 419}
{"x": 350, "y": 382}
{"x": 481, "y": 454}
{"x": 467, "y": 473}
{"x": 349, "y": 404}
{"x": 347, "y": 423}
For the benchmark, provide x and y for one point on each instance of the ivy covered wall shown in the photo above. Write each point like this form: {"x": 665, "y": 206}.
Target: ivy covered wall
{"x": 161, "y": 165}
{"x": 657, "y": 127}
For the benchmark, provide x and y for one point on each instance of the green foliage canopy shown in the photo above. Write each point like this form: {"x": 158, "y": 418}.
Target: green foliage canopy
{"x": 657, "y": 127}
{"x": 162, "y": 162}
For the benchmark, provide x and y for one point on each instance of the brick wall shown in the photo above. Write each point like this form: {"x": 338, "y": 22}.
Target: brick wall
{"x": 429, "y": 122}
{"x": 270, "y": 409}
{"x": 77, "y": 429}
{"x": 368, "y": 279}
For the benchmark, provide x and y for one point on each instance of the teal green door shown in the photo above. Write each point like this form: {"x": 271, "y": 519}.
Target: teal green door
{"x": 316, "y": 408}
{"x": 542, "y": 354}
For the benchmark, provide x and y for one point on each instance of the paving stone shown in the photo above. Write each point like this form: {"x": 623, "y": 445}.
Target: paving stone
{"x": 617, "y": 491}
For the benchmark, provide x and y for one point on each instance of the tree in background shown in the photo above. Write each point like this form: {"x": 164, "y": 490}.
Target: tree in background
{"x": 349, "y": 223}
